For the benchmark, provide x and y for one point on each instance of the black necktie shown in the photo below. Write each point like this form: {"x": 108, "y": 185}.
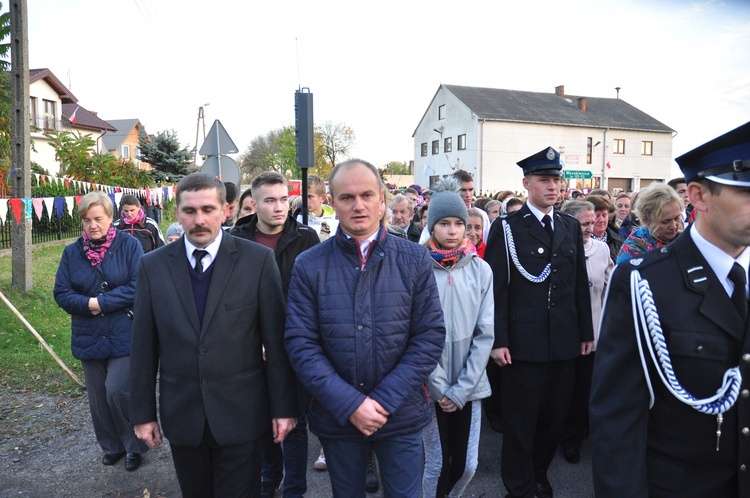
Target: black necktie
{"x": 738, "y": 277}
{"x": 548, "y": 225}
{"x": 198, "y": 255}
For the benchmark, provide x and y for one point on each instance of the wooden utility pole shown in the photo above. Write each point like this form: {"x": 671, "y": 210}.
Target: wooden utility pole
{"x": 21, "y": 161}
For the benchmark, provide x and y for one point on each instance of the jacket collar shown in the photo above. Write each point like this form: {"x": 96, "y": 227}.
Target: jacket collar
{"x": 179, "y": 270}
{"x": 536, "y": 230}
{"x": 700, "y": 278}
{"x": 245, "y": 228}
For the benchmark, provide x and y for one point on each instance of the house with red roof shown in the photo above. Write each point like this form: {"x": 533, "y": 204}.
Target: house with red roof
{"x": 53, "y": 107}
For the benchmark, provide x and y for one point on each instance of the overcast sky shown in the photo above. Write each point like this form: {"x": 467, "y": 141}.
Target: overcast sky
{"x": 376, "y": 66}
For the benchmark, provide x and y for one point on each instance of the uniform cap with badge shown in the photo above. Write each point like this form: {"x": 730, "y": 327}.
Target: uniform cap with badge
{"x": 544, "y": 162}
{"x": 725, "y": 159}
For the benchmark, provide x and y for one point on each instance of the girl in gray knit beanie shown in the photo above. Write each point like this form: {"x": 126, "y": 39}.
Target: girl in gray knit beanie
{"x": 459, "y": 382}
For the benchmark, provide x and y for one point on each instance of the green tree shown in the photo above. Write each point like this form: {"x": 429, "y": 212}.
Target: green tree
{"x": 73, "y": 150}
{"x": 78, "y": 160}
{"x": 171, "y": 162}
{"x": 336, "y": 139}
{"x": 274, "y": 151}
{"x": 6, "y": 99}
{"x": 396, "y": 168}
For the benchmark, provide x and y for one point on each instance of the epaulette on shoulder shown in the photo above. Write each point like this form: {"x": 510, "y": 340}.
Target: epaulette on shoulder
{"x": 566, "y": 215}
{"x": 510, "y": 215}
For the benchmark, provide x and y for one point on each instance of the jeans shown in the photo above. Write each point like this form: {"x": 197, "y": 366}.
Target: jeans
{"x": 399, "y": 459}
{"x": 287, "y": 460}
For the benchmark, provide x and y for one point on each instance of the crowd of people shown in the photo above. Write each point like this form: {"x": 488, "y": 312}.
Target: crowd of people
{"x": 386, "y": 323}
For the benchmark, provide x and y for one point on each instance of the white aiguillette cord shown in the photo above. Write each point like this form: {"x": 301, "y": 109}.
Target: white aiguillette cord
{"x": 646, "y": 320}
{"x": 510, "y": 245}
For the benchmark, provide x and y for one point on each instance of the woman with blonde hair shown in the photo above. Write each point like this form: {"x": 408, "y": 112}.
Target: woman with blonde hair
{"x": 659, "y": 209}
{"x": 95, "y": 284}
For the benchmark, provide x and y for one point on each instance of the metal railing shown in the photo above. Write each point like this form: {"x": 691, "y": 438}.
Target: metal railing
{"x": 44, "y": 230}
{"x": 41, "y": 123}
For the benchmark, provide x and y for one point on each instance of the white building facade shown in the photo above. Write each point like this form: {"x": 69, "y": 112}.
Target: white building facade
{"x": 487, "y": 131}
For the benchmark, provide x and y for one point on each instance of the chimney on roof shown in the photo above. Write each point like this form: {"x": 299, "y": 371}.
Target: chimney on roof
{"x": 582, "y": 103}
{"x": 560, "y": 91}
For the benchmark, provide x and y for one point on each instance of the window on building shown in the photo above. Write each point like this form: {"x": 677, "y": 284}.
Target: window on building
{"x": 619, "y": 146}
{"x": 33, "y": 112}
{"x": 435, "y": 147}
{"x": 448, "y": 144}
{"x": 50, "y": 114}
{"x": 125, "y": 151}
{"x": 647, "y": 148}
{"x": 424, "y": 149}
{"x": 434, "y": 179}
{"x": 589, "y": 149}
{"x": 441, "y": 112}
{"x": 462, "y": 142}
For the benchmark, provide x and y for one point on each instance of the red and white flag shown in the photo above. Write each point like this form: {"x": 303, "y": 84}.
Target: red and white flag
{"x": 73, "y": 117}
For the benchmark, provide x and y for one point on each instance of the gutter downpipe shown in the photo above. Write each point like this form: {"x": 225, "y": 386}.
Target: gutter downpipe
{"x": 480, "y": 168}
{"x": 98, "y": 149}
{"x": 604, "y": 184}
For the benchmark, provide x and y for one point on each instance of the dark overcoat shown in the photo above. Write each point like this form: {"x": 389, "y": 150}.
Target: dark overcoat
{"x": 212, "y": 372}
{"x": 670, "y": 450}
{"x": 547, "y": 321}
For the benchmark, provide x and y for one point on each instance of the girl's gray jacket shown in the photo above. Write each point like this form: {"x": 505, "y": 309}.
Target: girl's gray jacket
{"x": 468, "y": 302}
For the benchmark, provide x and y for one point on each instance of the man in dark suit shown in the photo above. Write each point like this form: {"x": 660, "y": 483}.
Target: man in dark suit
{"x": 648, "y": 439}
{"x": 402, "y": 210}
{"x": 542, "y": 323}
{"x": 205, "y": 309}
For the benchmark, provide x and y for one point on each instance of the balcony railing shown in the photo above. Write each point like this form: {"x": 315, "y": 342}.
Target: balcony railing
{"x": 42, "y": 123}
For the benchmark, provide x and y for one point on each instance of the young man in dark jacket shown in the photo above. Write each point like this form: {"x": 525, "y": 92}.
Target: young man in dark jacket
{"x": 273, "y": 227}
{"x": 364, "y": 331}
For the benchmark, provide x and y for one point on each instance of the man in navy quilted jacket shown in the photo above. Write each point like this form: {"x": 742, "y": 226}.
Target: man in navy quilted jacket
{"x": 364, "y": 331}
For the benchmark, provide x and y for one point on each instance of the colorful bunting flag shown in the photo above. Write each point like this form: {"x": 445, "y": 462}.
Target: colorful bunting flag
{"x": 38, "y": 207}
{"x": 27, "y": 208}
{"x": 59, "y": 206}
{"x": 3, "y": 210}
{"x": 16, "y": 205}
{"x": 50, "y": 203}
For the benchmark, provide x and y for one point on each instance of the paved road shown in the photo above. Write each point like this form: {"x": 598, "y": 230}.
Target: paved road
{"x": 568, "y": 481}
{"x": 48, "y": 448}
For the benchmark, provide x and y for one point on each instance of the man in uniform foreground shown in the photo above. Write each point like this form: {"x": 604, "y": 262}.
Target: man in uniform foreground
{"x": 670, "y": 399}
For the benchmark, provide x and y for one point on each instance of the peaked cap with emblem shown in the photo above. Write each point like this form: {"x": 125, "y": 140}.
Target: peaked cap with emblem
{"x": 725, "y": 159}
{"x": 544, "y": 162}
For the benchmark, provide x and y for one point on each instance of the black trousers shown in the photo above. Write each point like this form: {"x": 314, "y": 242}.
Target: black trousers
{"x": 211, "y": 470}
{"x": 535, "y": 402}
{"x": 492, "y": 404}
{"x": 578, "y": 415}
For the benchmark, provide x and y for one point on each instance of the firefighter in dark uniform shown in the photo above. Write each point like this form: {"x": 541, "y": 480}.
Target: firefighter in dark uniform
{"x": 542, "y": 323}
{"x": 670, "y": 400}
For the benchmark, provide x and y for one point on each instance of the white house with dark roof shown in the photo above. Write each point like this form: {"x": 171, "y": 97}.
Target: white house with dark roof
{"x": 53, "y": 107}
{"x": 486, "y": 131}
